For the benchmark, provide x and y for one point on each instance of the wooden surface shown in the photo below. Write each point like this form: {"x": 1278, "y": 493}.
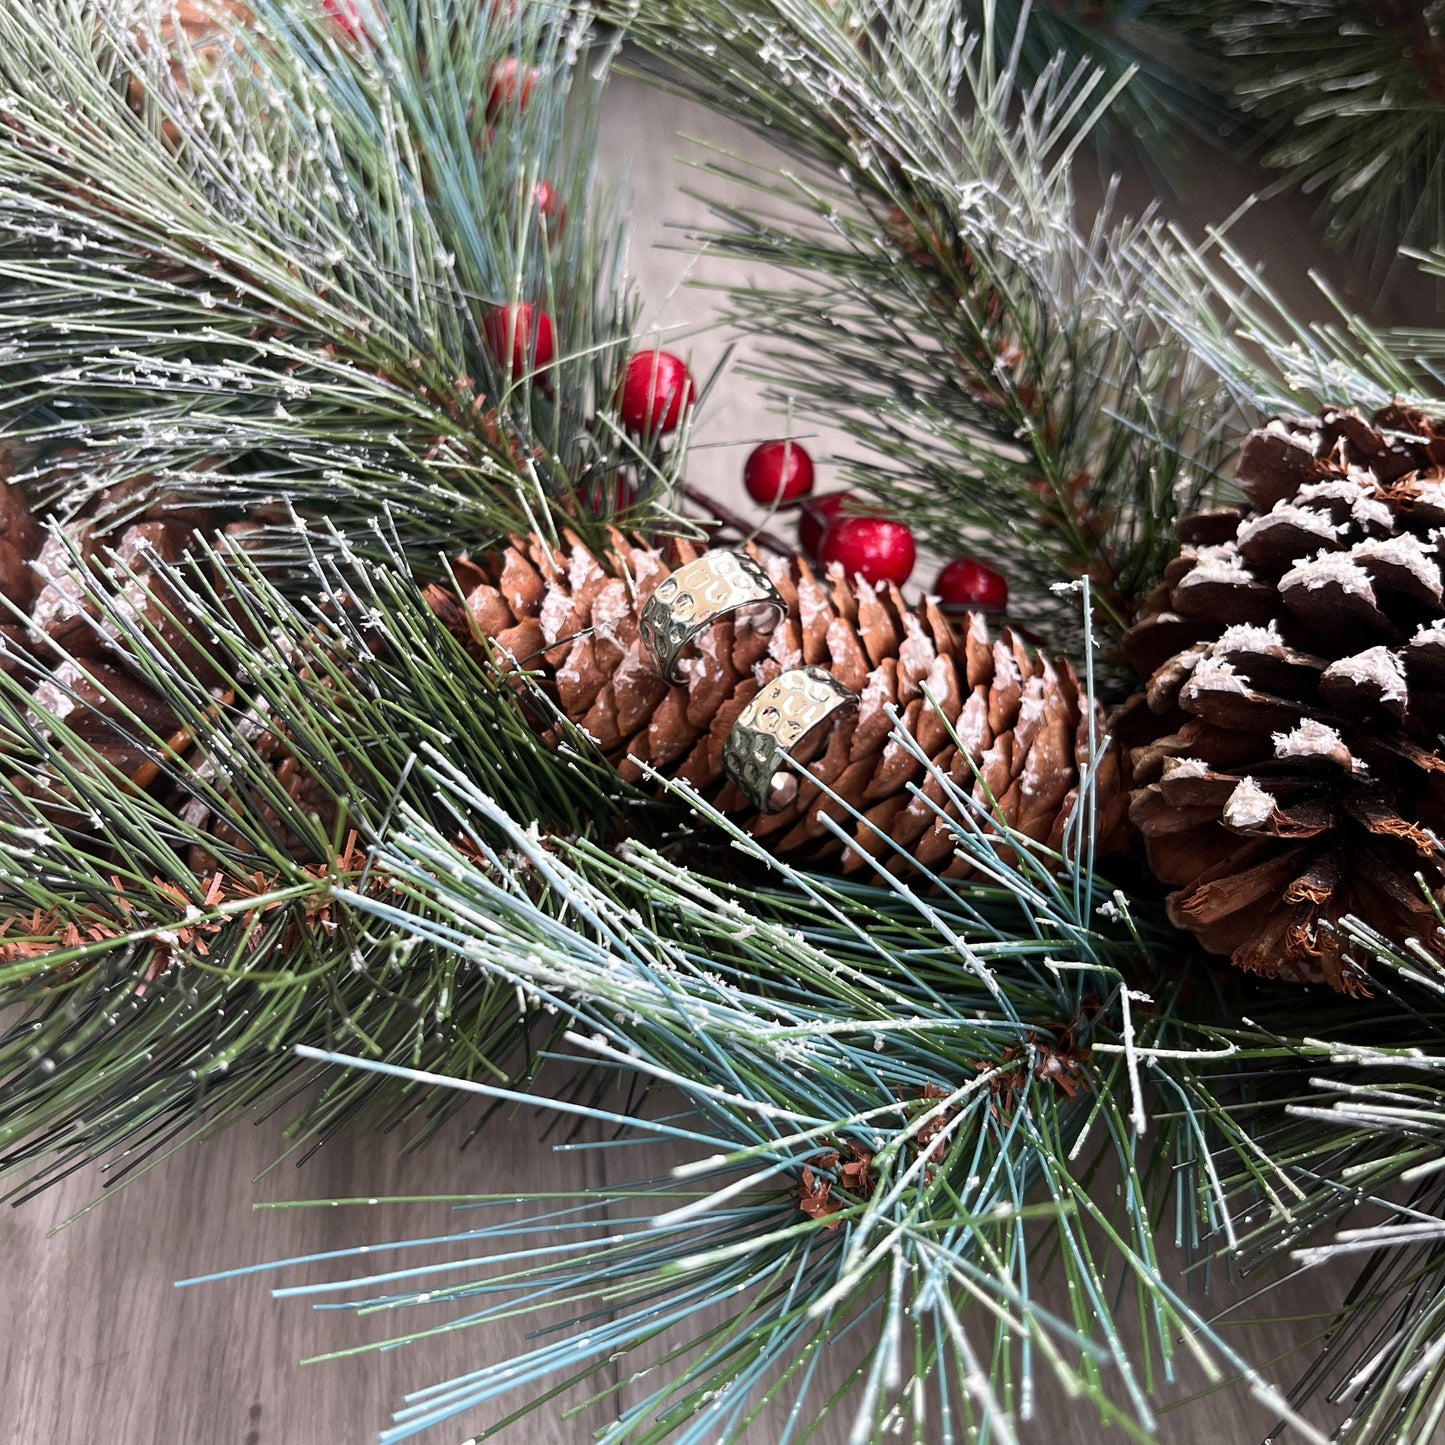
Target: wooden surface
{"x": 97, "y": 1344}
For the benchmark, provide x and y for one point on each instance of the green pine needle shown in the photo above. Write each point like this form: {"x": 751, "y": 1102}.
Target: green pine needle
{"x": 166, "y": 948}
{"x": 970, "y": 1048}
{"x": 995, "y": 362}
{"x": 1348, "y": 98}
{"x": 288, "y": 299}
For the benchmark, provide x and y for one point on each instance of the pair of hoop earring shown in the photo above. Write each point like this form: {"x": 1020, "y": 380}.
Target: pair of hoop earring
{"x": 799, "y": 706}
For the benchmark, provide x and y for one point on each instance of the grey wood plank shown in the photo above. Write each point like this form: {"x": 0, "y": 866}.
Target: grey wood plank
{"x": 97, "y": 1343}
{"x": 96, "y": 1340}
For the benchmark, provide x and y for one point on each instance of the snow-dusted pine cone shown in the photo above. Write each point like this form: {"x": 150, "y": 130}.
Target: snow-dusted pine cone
{"x": 1291, "y": 772}
{"x": 572, "y": 618}
{"x": 1022, "y": 730}
{"x": 74, "y": 657}
{"x": 64, "y": 649}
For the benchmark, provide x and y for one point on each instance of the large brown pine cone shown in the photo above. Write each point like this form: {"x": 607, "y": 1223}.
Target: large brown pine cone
{"x": 1022, "y": 731}
{"x": 1290, "y": 772}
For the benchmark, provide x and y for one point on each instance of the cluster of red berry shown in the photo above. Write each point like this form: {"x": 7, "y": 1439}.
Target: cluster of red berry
{"x": 656, "y": 390}
{"x": 878, "y": 549}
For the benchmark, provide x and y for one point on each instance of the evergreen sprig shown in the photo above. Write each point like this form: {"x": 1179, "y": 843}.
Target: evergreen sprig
{"x": 899, "y": 1100}
{"x": 240, "y": 278}
{"x": 1273, "y": 362}
{"x": 997, "y": 367}
{"x": 1350, "y": 98}
{"x": 276, "y": 280}
{"x": 1162, "y": 54}
{"x": 825, "y": 1048}
{"x": 1364, "y": 1137}
{"x": 165, "y": 948}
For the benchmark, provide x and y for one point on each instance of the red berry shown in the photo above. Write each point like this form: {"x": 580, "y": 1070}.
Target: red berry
{"x": 656, "y": 389}
{"x": 512, "y": 84}
{"x": 778, "y": 474}
{"x": 815, "y": 517}
{"x": 968, "y": 586}
{"x": 346, "y": 16}
{"x": 523, "y": 332}
{"x": 873, "y": 548}
{"x": 550, "y": 207}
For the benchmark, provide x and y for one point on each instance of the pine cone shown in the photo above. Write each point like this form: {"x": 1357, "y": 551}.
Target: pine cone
{"x": 72, "y": 658}
{"x": 1021, "y": 728}
{"x": 571, "y": 619}
{"x": 1290, "y": 771}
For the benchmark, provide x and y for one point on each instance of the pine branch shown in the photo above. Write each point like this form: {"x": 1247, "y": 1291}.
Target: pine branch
{"x": 165, "y": 947}
{"x": 276, "y": 281}
{"x": 1272, "y": 362}
{"x": 232, "y": 278}
{"x": 993, "y": 359}
{"x": 1365, "y": 1138}
{"x": 887, "y": 1089}
{"x": 1350, "y": 99}
{"x": 1161, "y": 54}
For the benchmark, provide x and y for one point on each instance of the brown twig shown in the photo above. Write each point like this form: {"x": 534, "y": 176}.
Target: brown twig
{"x": 728, "y": 518}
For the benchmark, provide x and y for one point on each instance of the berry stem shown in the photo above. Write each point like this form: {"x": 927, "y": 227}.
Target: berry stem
{"x": 729, "y": 518}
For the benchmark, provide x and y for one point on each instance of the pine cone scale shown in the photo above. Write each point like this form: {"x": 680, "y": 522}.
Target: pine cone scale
{"x": 19, "y": 542}
{"x": 75, "y": 649}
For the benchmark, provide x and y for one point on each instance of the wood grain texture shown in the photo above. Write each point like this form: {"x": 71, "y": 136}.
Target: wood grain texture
{"x": 96, "y": 1342}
